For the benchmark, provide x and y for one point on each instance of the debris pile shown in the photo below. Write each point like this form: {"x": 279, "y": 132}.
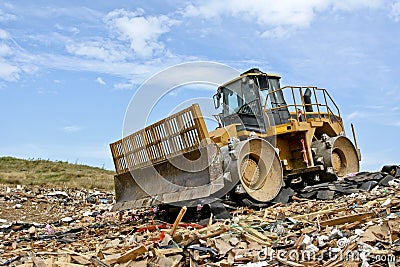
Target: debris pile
{"x": 351, "y": 184}
{"x": 352, "y": 222}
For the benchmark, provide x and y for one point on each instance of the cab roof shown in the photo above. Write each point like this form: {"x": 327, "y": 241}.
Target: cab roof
{"x": 251, "y": 72}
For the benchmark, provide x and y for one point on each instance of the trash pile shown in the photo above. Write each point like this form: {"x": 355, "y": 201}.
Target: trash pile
{"x": 351, "y": 222}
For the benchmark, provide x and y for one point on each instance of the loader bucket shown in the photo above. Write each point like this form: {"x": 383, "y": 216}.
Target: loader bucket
{"x": 171, "y": 161}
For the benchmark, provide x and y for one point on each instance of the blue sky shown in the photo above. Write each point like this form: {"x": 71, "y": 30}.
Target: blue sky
{"x": 68, "y": 69}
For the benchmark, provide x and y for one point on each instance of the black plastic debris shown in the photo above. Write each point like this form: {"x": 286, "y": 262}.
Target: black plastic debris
{"x": 367, "y": 186}
{"x": 391, "y": 169}
{"x": 284, "y": 195}
{"x": 385, "y": 181}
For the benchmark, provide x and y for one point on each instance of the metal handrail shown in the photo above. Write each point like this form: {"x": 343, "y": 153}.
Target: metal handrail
{"x": 328, "y": 104}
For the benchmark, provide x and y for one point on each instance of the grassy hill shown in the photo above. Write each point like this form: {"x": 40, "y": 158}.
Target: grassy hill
{"x": 45, "y": 172}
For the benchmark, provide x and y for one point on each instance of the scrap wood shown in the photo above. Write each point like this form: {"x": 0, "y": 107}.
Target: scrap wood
{"x": 105, "y": 237}
{"x": 347, "y": 219}
{"x": 132, "y": 254}
{"x": 222, "y": 246}
{"x": 178, "y": 220}
{"x": 295, "y": 198}
{"x": 252, "y": 238}
{"x": 223, "y": 229}
{"x": 349, "y": 226}
{"x": 93, "y": 259}
{"x": 167, "y": 251}
{"x": 321, "y": 212}
{"x": 255, "y": 233}
{"x": 298, "y": 242}
{"x": 210, "y": 227}
{"x": 222, "y": 263}
{"x": 39, "y": 262}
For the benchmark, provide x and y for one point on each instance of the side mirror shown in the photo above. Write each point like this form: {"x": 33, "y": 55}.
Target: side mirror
{"x": 217, "y": 100}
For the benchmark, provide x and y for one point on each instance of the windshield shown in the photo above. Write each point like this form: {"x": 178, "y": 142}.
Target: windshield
{"x": 275, "y": 99}
{"x": 237, "y": 94}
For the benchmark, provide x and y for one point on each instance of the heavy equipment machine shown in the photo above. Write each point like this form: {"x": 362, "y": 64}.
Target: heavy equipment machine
{"x": 268, "y": 136}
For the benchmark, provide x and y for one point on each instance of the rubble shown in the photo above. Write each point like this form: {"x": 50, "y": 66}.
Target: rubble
{"x": 351, "y": 222}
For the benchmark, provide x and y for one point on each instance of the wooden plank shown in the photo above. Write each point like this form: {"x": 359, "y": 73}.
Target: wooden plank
{"x": 178, "y": 220}
{"x": 321, "y": 212}
{"x": 347, "y": 219}
{"x": 217, "y": 233}
{"x": 254, "y": 232}
{"x": 252, "y": 238}
{"x": 168, "y": 251}
{"x": 132, "y": 254}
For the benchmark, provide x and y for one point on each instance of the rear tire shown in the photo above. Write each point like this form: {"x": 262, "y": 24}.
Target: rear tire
{"x": 338, "y": 155}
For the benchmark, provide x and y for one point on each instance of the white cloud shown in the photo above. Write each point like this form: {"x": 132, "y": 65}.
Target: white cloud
{"x": 5, "y": 50}
{"x": 6, "y": 16}
{"x": 277, "y": 32}
{"x": 395, "y": 124}
{"x": 124, "y": 85}
{"x": 72, "y": 128}
{"x": 102, "y": 50}
{"x": 357, "y": 115}
{"x": 278, "y": 18}
{"x": 13, "y": 60}
{"x": 395, "y": 12}
{"x": 9, "y": 72}
{"x": 141, "y": 31}
{"x": 73, "y": 30}
{"x": 4, "y": 34}
{"x": 100, "y": 81}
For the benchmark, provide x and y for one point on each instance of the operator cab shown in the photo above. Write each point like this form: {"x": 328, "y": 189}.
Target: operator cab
{"x": 253, "y": 101}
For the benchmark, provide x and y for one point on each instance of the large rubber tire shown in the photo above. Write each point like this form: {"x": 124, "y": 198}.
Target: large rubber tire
{"x": 259, "y": 169}
{"x": 339, "y": 156}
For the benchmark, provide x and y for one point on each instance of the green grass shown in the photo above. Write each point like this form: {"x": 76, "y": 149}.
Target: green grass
{"x": 53, "y": 173}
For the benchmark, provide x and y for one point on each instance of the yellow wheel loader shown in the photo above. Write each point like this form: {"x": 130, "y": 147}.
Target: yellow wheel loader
{"x": 268, "y": 135}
